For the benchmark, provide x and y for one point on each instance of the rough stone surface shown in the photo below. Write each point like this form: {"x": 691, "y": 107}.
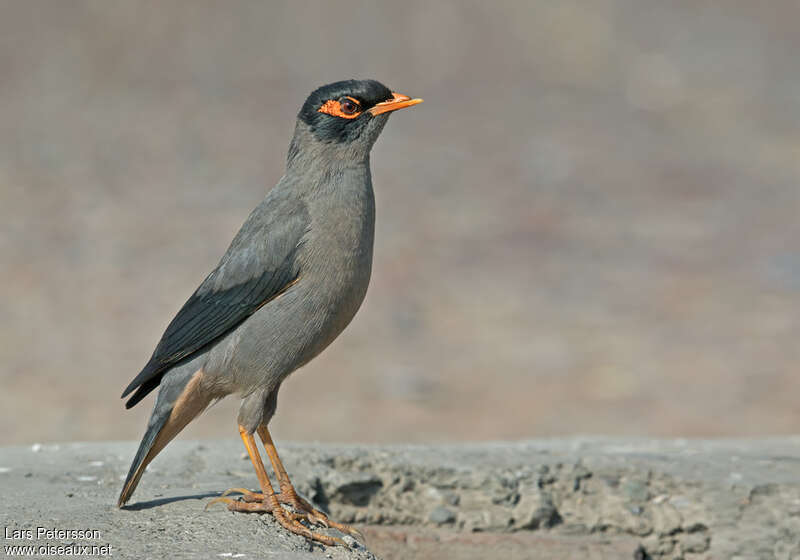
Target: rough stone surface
{"x": 566, "y": 498}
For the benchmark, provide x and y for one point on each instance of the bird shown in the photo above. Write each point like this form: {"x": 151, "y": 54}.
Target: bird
{"x": 291, "y": 280}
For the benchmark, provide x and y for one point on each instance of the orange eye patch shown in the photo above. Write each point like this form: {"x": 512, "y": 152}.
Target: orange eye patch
{"x": 346, "y": 108}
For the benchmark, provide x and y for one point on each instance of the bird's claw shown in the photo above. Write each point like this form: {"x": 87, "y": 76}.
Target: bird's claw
{"x": 353, "y": 532}
{"x": 247, "y": 495}
{"x": 220, "y": 499}
{"x": 253, "y": 502}
{"x": 289, "y": 497}
{"x": 291, "y": 521}
{"x": 235, "y": 490}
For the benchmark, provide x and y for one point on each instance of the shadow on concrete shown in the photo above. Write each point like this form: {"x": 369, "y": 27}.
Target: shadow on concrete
{"x": 164, "y": 501}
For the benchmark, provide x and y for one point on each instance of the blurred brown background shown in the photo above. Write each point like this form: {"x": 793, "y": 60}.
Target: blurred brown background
{"x": 590, "y": 226}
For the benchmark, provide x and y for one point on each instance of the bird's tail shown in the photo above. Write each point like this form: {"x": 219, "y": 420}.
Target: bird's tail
{"x": 180, "y": 400}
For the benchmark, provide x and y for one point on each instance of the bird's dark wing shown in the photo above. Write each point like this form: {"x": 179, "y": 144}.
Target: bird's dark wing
{"x": 258, "y": 266}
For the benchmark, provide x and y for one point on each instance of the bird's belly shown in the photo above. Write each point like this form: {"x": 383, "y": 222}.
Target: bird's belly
{"x": 335, "y": 295}
{"x": 292, "y": 329}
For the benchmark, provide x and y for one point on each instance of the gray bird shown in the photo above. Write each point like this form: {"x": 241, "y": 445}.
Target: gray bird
{"x": 290, "y": 282}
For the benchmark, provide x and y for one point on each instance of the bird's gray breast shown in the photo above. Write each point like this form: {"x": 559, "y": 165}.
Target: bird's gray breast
{"x": 335, "y": 263}
{"x": 336, "y": 257}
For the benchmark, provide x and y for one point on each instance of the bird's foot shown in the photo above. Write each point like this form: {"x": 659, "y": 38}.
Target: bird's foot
{"x": 247, "y": 495}
{"x": 248, "y": 499}
{"x": 253, "y": 502}
{"x": 289, "y": 496}
{"x": 303, "y": 510}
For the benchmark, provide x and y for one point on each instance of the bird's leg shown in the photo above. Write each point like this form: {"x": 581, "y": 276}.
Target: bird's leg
{"x": 269, "y": 500}
{"x": 261, "y": 504}
{"x": 289, "y": 496}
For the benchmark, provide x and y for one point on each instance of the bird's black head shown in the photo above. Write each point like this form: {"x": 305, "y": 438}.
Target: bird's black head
{"x": 351, "y": 111}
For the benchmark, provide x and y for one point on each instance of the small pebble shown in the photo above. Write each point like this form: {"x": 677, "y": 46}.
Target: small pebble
{"x": 441, "y": 515}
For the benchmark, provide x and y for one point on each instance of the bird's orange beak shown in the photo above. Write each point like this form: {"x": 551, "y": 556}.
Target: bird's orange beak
{"x": 399, "y": 101}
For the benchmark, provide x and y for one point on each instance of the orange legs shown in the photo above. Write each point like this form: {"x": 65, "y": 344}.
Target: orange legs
{"x": 270, "y": 502}
{"x": 288, "y": 494}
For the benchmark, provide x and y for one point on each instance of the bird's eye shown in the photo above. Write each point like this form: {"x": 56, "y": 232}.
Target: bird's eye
{"x": 344, "y": 107}
{"x": 349, "y": 106}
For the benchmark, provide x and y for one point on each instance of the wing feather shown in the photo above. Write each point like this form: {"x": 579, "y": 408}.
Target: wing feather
{"x": 258, "y": 266}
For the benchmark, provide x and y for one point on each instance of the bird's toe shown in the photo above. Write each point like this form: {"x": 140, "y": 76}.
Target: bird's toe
{"x": 247, "y": 495}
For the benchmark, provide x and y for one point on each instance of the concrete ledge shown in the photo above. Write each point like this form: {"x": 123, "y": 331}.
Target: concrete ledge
{"x": 560, "y": 498}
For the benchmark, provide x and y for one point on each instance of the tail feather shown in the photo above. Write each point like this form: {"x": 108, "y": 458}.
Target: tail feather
{"x": 180, "y": 400}
{"x": 143, "y": 455}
